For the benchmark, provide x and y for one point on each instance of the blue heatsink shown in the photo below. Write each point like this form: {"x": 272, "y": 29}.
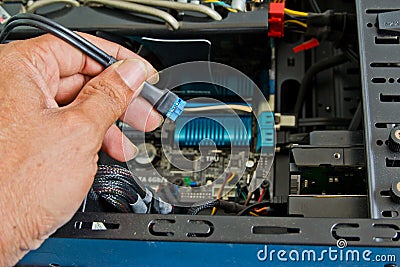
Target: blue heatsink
{"x": 221, "y": 130}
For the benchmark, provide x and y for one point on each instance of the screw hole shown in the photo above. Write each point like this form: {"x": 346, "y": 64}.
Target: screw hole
{"x": 390, "y": 213}
{"x": 391, "y": 80}
{"x": 369, "y": 25}
{"x": 379, "y": 142}
{"x": 385, "y": 193}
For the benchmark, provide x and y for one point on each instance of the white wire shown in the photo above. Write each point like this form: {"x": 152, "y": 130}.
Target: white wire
{"x": 220, "y": 107}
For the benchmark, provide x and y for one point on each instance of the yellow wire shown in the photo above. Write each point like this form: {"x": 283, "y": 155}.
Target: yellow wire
{"x": 295, "y": 13}
{"x": 296, "y": 22}
{"x": 231, "y": 9}
{"x": 228, "y": 180}
{"x": 214, "y": 210}
{"x": 231, "y": 177}
{"x": 253, "y": 214}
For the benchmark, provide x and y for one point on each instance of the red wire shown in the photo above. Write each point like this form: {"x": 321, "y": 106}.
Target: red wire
{"x": 261, "y": 196}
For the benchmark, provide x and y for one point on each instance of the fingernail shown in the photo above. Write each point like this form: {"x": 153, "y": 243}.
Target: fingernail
{"x": 130, "y": 150}
{"x": 161, "y": 120}
{"x": 154, "y": 78}
{"x": 133, "y": 72}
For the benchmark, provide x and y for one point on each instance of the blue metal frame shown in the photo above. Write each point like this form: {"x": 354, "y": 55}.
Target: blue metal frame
{"x": 91, "y": 252}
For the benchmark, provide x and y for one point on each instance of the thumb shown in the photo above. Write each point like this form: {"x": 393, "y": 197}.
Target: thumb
{"x": 104, "y": 98}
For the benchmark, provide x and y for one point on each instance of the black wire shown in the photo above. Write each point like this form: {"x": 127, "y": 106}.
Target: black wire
{"x": 315, "y": 6}
{"x": 121, "y": 192}
{"x": 300, "y": 18}
{"x": 256, "y": 205}
{"x": 108, "y": 60}
{"x": 117, "y": 186}
{"x": 117, "y": 202}
{"x": 305, "y": 122}
{"x": 324, "y": 64}
{"x": 115, "y": 172}
{"x": 165, "y": 102}
{"x": 294, "y": 28}
{"x": 39, "y": 25}
{"x": 197, "y": 207}
{"x": 295, "y": 31}
{"x": 227, "y": 206}
{"x": 61, "y": 32}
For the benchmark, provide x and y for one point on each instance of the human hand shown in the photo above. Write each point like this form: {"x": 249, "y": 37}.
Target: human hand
{"x": 57, "y": 110}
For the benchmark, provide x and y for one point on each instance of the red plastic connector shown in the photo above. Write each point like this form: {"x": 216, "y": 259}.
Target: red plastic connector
{"x": 276, "y": 20}
{"x": 306, "y": 45}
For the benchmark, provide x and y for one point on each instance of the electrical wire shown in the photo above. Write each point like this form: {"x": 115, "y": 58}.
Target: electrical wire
{"x": 196, "y": 208}
{"x": 249, "y": 195}
{"x": 123, "y": 175}
{"x": 165, "y": 101}
{"x": 315, "y": 6}
{"x": 227, "y": 206}
{"x": 302, "y": 19}
{"x": 59, "y": 31}
{"x": 295, "y": 13}
{"x": 136, "y": 8}
{"x": 220, "y": 107}
{"x": 305, "y": 85}
{"x": 123, "y": 190}
{"x": 231, "y": 177}
{"x": 26, "y": 22}
{"x": 313, "y": 122}
{"x": 302, "y": 24}
{"x": 261, "y": 210}
{"x": 262, "y": 195}
{"x": 223, "y": 4}
{"x": 228, "y": 178}
{"x": 31, "y": 8}
{"x": 117, "y": 186}
{"x": 180, "y": 6}
{"x": 252, "y": 207}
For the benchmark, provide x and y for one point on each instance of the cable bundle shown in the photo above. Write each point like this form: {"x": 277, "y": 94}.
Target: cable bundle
{"x": 147, "y": 7}
{"x": 226, "y": 206}
{"x": 118, "y": 187}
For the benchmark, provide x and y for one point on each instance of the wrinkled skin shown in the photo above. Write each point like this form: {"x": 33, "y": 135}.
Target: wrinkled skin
{"x": 57, "y": 111}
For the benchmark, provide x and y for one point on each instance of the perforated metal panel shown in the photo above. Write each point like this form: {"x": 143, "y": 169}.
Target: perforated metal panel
{"x": 380, "y": 57}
